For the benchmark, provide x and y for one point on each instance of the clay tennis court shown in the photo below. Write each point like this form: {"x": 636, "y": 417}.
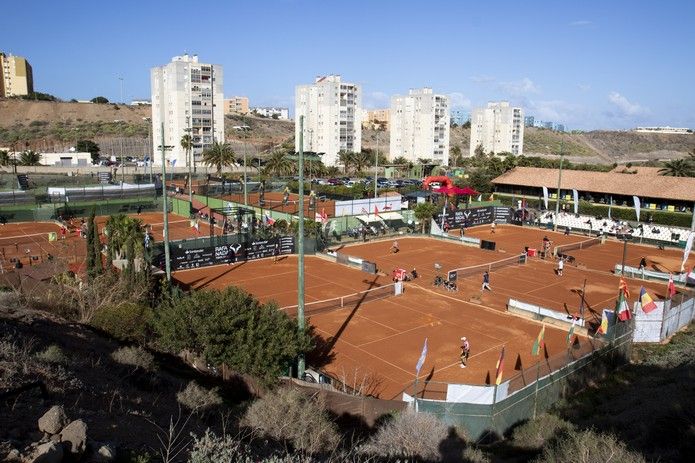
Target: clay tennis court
{"x": 378, "y": 342}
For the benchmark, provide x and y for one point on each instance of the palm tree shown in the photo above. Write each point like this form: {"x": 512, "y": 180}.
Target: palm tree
{"x": 219, "y": 155}
{"x": 4, "y": 158}
{"x": 677, "y": 168}
{"x": 123, "y": 231}
{"x": 29, "y": 158}
{"x": 362, "y": 159}
{"x": 332, "y": 171}
{"x": 278, "y": 164}
{"x": 400, "y": 160}
{"x": 187, "y": 144}
{"x": 345, "y": 158}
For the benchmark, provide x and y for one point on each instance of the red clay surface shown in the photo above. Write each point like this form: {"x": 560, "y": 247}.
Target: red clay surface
{"x": 28, "y": 241}
{"x": 377, "y": 343}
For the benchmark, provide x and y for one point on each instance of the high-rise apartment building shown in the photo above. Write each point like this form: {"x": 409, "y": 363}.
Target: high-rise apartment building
{"x": 380, "y": 117}
{"x": 420, "y": 126}
{"x": 16, "y": 77}
{"x": 187, "y": 97}
{"x": 236, "y": 104}
{"x": 498, "y": 128}
{"x": 332, "y": 112}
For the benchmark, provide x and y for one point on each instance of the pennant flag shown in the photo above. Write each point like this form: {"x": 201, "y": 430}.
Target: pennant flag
{"x": 421, "y": 361}
{"x": 671, "y": 286}
{"x": 646, "y": 301}
{"x": 688, "y": 248}
{"x": 635, "y": 200}
{"x": 621, "y": 308}
{"x": 570, "y": 333}
{"x": 539, "y": 342}
{"x": 622, "y": 287}
{"x": 603, "y": 328}
{"x": 376, "y": 210}
{"x": 52, "y": 236}
{"x": 545, "y": 196}
{"x": 324, "y": 216}
{"x": 576, "y": 201}
{"x": 500, "y": 368}
{"x": 268, "y": 219}
{"x": 480, "y": 197}
{"x": 492, "y": 196}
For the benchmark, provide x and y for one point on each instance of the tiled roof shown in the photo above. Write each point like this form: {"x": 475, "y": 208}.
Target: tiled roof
{"x": 644, "y": 186}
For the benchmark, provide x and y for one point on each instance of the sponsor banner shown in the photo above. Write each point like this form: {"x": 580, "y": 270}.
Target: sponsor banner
{"x": 477, "y": 216}
{"x": 182, "y": 259}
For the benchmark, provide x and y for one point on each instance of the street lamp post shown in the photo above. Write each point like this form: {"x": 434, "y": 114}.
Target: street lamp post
{"x": 376, "y": 164}
{"x": 300, "y": 248}
{"x": 559, "y": 182}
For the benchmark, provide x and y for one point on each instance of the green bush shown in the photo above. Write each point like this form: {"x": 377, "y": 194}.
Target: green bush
{"x": 288, "y": 414}
{"x": 587, "y": 447}
{"x": 533, "y": 434}
{"x": 128, "y": 321}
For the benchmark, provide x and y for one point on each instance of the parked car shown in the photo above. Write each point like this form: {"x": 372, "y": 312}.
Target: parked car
{"x": 335, "y": 181}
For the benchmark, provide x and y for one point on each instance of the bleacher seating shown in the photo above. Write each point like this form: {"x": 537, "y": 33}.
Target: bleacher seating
{"x": 612, "y": 227}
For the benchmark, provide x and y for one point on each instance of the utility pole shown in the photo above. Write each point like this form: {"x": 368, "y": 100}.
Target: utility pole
{"x": 300, "y": 248}
{"x": 167, "y": 257}
{"x": 376, "y": 163}
{"x": 559, "y": 181}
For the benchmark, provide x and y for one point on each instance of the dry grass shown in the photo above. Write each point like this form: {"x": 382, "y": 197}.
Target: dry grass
{"x": 198, "y": 399}
{"x": 135, "y": 357}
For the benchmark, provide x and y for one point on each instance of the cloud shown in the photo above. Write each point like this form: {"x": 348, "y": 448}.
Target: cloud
{"x": 624, "y": 106}
{"x": 558, "y": 111}
{"x": 584, "y": 87}
{"x": 519, "y": 87}
{"x": 581, "y": 23}
{"x": 459, "y": 100}
{"x": 376, "y": 100}
{"x": 482, "y": 79}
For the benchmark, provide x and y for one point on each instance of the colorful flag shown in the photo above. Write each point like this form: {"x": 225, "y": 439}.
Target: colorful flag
{"x": 570, "y": 333}
{"x": 646, "y": 301}
{"x": 324, "y": 216}
{"x": 622, "y": 287}
{"x": 539, "y": 343}
{"x": 603, "y": 329}
{"x": 500, "y": 368}
{"x": 421, "y": 361}
{"x": 52, "y": 236}
{"x": 671, "y": 286}
{"x": 376, "y": 210}
{"x": 621, "y": 308}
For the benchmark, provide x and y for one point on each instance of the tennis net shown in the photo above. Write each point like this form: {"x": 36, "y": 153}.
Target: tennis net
{"x": 463, "y": 272}
{"x": 350, "y": 300}
{"x": 559, "y": 250}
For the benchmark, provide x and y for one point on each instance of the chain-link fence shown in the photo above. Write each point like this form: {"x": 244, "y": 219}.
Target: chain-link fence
{"x": 495, "y": 409}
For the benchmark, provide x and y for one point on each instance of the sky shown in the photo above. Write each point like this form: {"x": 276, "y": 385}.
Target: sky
{"x": 591, "y": 64}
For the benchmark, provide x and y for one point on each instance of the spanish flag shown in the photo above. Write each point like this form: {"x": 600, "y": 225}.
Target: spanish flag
{"x": 539, "y": 343}
{"x": 52, "y": 236}
{"x": 500, "y": 368}
{"x": 646, "y": 301}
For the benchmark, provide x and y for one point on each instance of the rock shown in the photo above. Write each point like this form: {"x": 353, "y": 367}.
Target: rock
{"x": 74, "y": 436}
{"x": 53, "y": 420}
{"x": 13, "y": 455}
{"x": 106, "y": 453}
{"x": 55, "y": 438}
{"x": 49, "y": 452}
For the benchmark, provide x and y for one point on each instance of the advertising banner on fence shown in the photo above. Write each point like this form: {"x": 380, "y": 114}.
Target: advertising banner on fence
{"x": 476, "y": 216}
{"x": 368, "y": 206}
{"x": 182, "y": 259}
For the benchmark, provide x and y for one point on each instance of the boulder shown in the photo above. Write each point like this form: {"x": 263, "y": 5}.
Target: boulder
{"x": 53, "y": 420}
{"x": 105, "y": 454}
{"x": 74, "y": 436}
{"x": 50, "y": 452}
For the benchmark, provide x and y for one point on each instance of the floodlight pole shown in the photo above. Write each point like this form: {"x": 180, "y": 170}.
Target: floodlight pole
{"x": 167, "y": 257}
{"x": 376, "y": 163}
{"x": 300, "y": 249}
{"x": 559, "y": 181}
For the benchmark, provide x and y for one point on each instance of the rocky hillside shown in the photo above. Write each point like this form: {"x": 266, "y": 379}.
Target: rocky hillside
{"x": 54, "y": 126}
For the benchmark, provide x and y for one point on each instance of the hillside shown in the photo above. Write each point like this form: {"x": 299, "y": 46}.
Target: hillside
{"x": 49, "y": 126}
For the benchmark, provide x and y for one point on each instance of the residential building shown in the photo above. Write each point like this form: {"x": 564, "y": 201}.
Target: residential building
{"x": 187, "y": 97}
{"x": 529, "y": 121}
{"x": 274, "y": 113}
{"x": 498, "y": 128}
{"x": 236, "y": 105}
{"x": 332, "y": 112}
{"x": 140, "y": 103}
{"x": 420, "y": 126}
{"x": 560, "y": 127}
{"x": 374, "y": 117}
{"x": 16, "y": 77}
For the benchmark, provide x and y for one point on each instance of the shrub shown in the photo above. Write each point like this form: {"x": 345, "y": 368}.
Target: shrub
{"x": 287, "y": 414}
{"x": 209, "y": 448}
{"x": 134, "y": 356}
{"x": 53, "y": 354}
{"x": 533, "y": 434}
{"x": 474, "y": 455}
{"x": 409, "y": 435}
{"x": 587, "y": 447}
{"x": 198, "y": 398}
{"x": 128, "y": 321}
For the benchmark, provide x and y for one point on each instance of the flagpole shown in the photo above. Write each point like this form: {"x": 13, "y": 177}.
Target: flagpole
{"x": 581, "y": 307}
{"x": 535, "y": 394}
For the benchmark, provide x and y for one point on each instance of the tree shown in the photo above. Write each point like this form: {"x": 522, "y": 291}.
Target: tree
{"x": 126, "y": 237}
{"x": 400, "y": 160}
{"x": 187, "y": 144}
{"x": 361, "y": 160}
{"x": 231, "y": 327}
{"x": 424, "y": 212}
{"x": 99, "y": 100}
{"x": 455, "y": 157}
{"x": 479, "y": 151}
{"x": 5, "y": 159}
{"x": 332, "y": 171}
{"x": 424, "y": 161}
{"x": 88, "y": 146}
{"x": 345, "y": 158}
{"x": 29, "y": 158}
{"x": 220, "y": 155}
{"x": 279, "y": 164}
{"x": 677, "y": 168}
